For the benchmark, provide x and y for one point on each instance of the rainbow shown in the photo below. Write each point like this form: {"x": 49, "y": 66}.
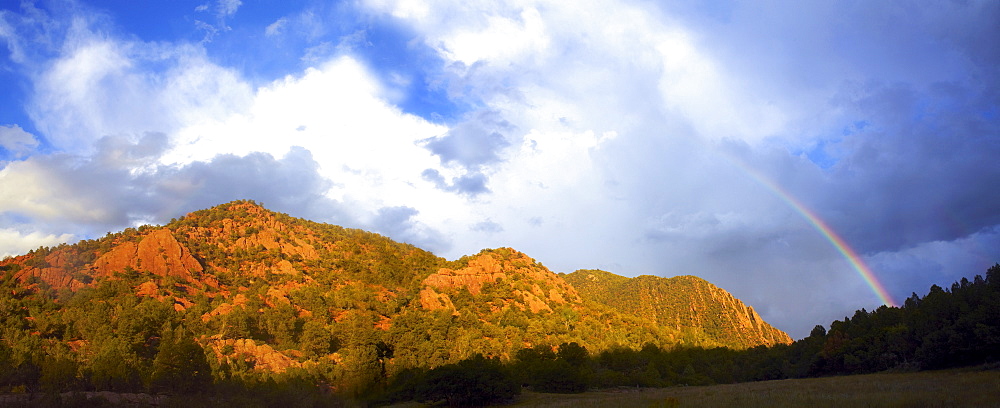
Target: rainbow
{"x": 855, "y": 260}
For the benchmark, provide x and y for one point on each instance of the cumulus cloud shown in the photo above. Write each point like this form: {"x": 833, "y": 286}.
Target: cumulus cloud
{"x": 101, "y": 87}
{"x": 122, "y": 183}
{"x": 212, "y": 128}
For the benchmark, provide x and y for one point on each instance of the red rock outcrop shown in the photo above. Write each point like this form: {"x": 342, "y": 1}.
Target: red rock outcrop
{"x": 158, "y": 253}
{"x": 269, "y": 238}
{"x": 432, "y": 300}
{"x": 538, "y": 286}
{"x": 263, "y": 356}
{"x": 226, "y": 307}
{"x": 148, "y": 289}
{"x": 533, "y": 302}
{"x": 55, "y": 272}
{"x": 482, "y": 269}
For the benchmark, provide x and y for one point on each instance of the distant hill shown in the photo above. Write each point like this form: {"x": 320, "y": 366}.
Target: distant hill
{"x": 263, "y": 293}
{"x": 702, "y": 311}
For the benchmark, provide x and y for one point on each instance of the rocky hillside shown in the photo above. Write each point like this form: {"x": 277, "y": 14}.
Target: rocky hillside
{"x": 263, "y": 292}
{"x": 687, "y": 303}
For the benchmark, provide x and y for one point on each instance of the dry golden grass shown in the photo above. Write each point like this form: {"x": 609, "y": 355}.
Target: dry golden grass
{"x": 952, "y": 388}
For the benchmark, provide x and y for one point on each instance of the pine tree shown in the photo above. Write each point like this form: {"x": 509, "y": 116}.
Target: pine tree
{"x": 180, "y": 365}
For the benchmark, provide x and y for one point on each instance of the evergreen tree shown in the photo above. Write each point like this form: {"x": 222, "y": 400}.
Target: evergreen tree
{"x": 477, "y": 381}
{"x": 180, "y": 365}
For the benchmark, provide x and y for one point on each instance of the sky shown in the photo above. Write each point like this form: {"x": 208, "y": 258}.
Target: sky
{"x": 799, "y": 154}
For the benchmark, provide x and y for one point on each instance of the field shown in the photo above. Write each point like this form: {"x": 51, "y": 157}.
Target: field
{"x": 951, "y": 388}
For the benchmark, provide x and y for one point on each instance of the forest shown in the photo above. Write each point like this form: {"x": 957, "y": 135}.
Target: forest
{"x": 237, "y": 305}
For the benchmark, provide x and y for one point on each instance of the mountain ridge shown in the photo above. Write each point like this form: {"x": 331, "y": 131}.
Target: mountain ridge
{"x": 309, "y": 294}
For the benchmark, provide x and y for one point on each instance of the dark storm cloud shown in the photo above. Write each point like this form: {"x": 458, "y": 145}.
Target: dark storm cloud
{"x": 921, "y": 171}
{"x": 940, "y": 262}
{"x": 98, "y": 190}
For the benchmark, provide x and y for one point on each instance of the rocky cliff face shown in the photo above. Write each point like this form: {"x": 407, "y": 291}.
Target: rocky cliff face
{"x": 685, "y": 302}
{"x": 153, "y": 250}
{"x": 533, "y": 286}
{"x": 732, "y": 316}
{"x": 481, "y": 269}
{"x": 157, "y": 252}
{"x": 56, "y": 269}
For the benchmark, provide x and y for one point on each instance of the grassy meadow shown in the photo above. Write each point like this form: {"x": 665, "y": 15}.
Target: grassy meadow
{"x": 949, "y": 388}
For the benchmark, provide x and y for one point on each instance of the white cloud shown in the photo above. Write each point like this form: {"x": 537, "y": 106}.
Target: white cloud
{"x": 616, "y": 65}
{"x": 334, "y": 111}
{"x": 276, "y": 27}
{"x": 14, "y": 242}
{"x": 104, "y": 87}
{"x": 34, "y": 188}
{"x": 223, "y": 9}
{"x": 227, "y": 8}
{"x": 501, "y": 39}
{"x": 16, "y": 140}
{"x": 570, "y": 75}
{"x": 367, "y": 147}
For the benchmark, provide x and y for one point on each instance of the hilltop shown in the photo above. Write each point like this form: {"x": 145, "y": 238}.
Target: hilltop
{"x": 263, "y": 292}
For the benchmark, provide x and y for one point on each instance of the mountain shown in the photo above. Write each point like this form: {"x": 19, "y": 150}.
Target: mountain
{"x": 263, "y": 292}
{"x": 687, "y": 303}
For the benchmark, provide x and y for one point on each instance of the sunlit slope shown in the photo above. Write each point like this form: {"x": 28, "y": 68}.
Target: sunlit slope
{"x": 266, "y": 292}
{"x": 702, "y": 311}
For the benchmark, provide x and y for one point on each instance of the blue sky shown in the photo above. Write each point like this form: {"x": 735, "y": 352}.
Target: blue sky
{"x": 610, "y": 134}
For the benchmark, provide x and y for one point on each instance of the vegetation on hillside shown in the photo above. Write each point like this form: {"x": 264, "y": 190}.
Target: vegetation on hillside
{"x": 706, "y": 315}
